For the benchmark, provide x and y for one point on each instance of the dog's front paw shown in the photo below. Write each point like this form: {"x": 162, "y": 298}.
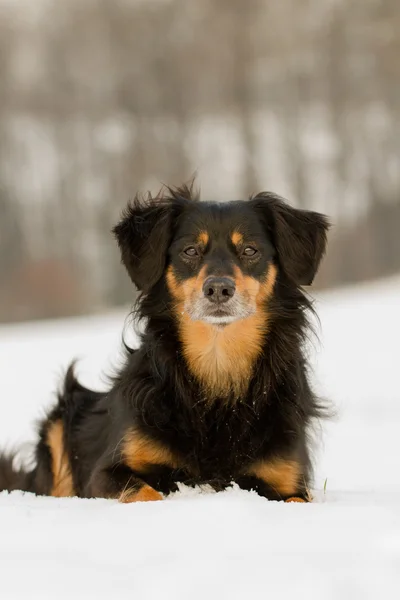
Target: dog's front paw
{"x": 144, "y": 494}
{"x": 296, "y": 499}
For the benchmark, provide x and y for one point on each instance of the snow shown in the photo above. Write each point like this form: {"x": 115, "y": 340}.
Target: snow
{"x": 198, "y": 544}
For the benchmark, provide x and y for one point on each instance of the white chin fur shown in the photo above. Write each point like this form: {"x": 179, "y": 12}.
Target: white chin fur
{"x": 220, "y": 320}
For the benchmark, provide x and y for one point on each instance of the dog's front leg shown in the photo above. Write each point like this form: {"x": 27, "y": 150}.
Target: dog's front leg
{"x": 138, "y": 454}
{"x": 277, "y": 479}
{"x": 121, "y": 483}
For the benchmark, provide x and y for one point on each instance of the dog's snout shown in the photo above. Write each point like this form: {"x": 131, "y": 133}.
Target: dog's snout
{"x": 219, "y": 289}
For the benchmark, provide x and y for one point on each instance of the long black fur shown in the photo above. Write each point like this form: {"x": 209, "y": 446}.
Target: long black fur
{"x": 157, "y": 394}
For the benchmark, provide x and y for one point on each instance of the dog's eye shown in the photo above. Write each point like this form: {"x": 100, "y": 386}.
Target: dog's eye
{"x": 249, "y": 251}
{"x": 190, "y": 251}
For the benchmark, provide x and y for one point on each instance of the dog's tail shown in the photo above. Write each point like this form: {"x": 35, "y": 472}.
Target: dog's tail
{"x": 12, "y": 477}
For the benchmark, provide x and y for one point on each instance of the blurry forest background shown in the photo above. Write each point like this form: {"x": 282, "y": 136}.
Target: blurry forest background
{"x": 101, "y": 98}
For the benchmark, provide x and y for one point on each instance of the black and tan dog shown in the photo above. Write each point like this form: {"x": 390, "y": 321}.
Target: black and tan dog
{"x": 217, "y": 392}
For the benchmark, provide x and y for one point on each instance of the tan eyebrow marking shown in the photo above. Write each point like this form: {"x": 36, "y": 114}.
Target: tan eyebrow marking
{"x": 203, "y": 238}
{"x": 236, "y": 238}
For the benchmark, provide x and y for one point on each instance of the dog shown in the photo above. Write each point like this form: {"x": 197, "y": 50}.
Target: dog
{"x": 217, "y": 393}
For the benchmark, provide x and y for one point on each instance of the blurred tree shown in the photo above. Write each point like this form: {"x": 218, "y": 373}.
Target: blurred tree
{"x": 100, "y": 99}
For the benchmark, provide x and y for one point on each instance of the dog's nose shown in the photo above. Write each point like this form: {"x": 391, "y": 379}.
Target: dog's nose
{"x": 219, "y": 289}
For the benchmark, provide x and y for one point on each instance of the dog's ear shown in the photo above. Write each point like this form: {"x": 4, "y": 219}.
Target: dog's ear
{"x": 299, "y": 236}
{"x": 143, "y": 236}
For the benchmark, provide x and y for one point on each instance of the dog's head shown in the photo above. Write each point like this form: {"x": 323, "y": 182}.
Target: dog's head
{"x": 219, "y": 260}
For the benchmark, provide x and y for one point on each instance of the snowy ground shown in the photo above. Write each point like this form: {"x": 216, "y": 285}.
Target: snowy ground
{"x": 199, "y": 545}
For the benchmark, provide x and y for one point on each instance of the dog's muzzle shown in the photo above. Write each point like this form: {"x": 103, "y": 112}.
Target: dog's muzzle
{"x": 219, "y": 304}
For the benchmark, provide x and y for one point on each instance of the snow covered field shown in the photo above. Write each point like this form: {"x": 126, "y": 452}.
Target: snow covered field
{"x": 200, "y": 545}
